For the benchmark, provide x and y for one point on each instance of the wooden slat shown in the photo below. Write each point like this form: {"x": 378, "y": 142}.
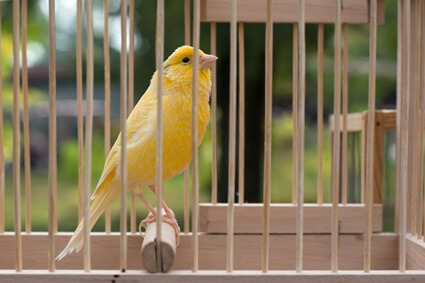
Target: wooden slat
{"x": 355, "y": 121}
{"x": 217, "y": 276}
{"x": 212, "y": 252}
{"x": 344, "y": 160}
{"x": 378, "y": 157}
{"x": 283, "y": 218}
{"x": 286, "y": 11}
{"x": 415, "y": 249}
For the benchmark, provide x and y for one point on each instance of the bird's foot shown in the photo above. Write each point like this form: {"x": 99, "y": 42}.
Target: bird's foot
{"x": 167, "y": 217}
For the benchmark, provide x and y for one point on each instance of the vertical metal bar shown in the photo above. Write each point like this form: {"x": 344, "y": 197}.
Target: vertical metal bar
{"x": 89, "y": 133}
{"x": 320, "y": 113}
{"x": 370, "y": 135}
{"x": 195, "y": 171}
{"x": 232, "y": 141}
{"x": 214, "y": 115}
{"x": 107, "y": 76}
{"x": 16, "y": 136}
{"x": 79, "y": 74}
{"x": 2, "y": 194}
{"x": 268, "y": 135}
{"x": 336, "y": 138}
{"x": 344, "y": 117}
{"x": 300, "y": 135}
{"x": 131, "y": 103}
{"x": 186, "y": 208}
{"x": 27, "y": 160}
{"x": 159, "y": 134}
{"x": 294, "y": 110}
{"x": 123, "y": 121}
{"x": 241, "y": 154}
{"x": 405, "y": 134}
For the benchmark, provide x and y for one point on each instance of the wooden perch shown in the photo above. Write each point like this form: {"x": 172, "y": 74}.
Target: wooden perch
{"x": 168, "y": 247}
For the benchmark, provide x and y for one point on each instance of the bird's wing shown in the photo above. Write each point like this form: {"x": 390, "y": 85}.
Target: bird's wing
{"x": 141, "y": 123}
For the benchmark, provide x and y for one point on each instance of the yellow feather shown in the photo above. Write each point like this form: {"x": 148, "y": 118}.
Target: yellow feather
{"x": 141, "y": 136}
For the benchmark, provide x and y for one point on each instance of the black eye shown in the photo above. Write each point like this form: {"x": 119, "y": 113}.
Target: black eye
{"x": 185, "y": 60}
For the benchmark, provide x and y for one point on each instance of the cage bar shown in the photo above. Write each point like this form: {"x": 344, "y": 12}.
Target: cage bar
{"x": 52, "y": 174}
{"x": 370, "y": 134}
{"x": 232, "y": 141}
{"x": 295, "y": 94}
{"x": 195, "y": 169}
{"x": 241, "y": 111}
{"x": 16, "y": 138}
{"x": 27, "y": 160}
{"x": 336, "y": 138}
{"x": 404, "y": 133}
{"x": 123, "y": 122}
{"x": 300, "y": 135}
{"x": 89, "y": 132}
{"x": 159, "y": 134}
{"x": 2, "y": 162}
{"x": 186, "y": 200}
{"x": 107, "y": 77}
{"x": 267, "y": 136}
{"x": 320, "y": 35}
{"x": 79, "y": 78}
{"x": 344, "y": 116}
{"x": 131, "y": 101}
{"x": 214, "y": 175}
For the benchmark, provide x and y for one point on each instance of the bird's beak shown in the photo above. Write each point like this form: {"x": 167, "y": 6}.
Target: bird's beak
{"x": 207, "y": 60}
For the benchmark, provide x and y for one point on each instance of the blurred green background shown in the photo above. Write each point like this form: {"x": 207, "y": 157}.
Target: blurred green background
{"x": 144, "y": 68}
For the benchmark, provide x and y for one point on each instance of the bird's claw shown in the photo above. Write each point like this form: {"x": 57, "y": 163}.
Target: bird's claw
{"x": 167, "y": 217}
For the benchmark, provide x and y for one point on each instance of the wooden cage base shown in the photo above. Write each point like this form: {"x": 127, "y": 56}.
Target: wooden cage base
{"x": 212, "y": 252}
{"x": 70, "y": 276}
{"x": 283, "y": 218}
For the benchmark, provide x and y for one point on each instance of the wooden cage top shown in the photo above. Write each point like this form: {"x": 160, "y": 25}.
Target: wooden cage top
{"x": 286, "y": 11}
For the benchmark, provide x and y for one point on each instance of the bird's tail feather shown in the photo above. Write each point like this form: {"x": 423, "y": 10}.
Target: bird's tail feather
{"x": 104, "y": 195}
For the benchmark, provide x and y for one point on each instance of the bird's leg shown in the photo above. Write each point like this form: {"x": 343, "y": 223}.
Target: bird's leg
{"x": 151, "y": 217}
{"x": 169, "y": 217}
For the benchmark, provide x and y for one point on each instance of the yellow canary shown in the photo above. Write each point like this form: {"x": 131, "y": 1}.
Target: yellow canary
{"x": 141, "y": 136}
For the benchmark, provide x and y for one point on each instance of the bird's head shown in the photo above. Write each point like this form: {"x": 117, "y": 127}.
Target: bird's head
{"x": 179, "y": 66}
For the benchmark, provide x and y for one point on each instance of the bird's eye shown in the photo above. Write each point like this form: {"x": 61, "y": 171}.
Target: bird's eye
{"x": 185, "y": 60}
